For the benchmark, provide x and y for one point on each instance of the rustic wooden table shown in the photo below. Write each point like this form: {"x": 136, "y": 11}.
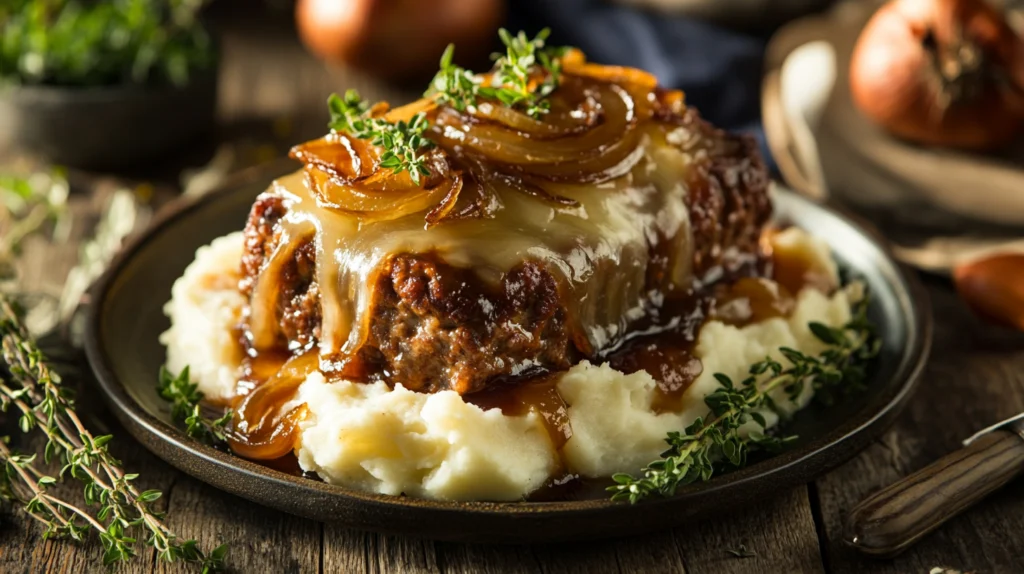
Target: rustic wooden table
{"x": 976, "y": 376}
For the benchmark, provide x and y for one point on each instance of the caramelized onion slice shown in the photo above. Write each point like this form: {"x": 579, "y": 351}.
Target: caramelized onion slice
{"x": 476, "y": 200}
{"x": 447, "y": 204}
{"x": 613, "y": 74}
{"x": 519, "y": 121}
{"x": 406, "y": 112}
{"x": 532, "y": 189}
{"x": 507, "y": 146}
{"x": 259, "y": 428}
{"x": 372, "y": 205}
{"x": 339, "y": 155}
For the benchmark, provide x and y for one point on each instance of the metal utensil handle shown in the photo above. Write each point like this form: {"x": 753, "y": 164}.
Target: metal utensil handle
{"x": 892, "y": 519}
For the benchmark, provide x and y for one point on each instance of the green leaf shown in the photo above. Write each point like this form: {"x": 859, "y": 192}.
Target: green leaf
{"x": 723, "y": 380}
{"x": 759, "y": 418}
{"x": 150, "y": 495}
{"x": 825, "y": 333}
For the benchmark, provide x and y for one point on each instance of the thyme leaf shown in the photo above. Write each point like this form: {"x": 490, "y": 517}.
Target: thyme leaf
{"x": 114, "y": 508}
{"x": 714, "y": 441}
{"x": 402, "y": 142}
{"x": 454, "y": 86}
{"x": 185, "y": 398}
{"x": 512, "y": 75}
{"x": 512, "y": 83}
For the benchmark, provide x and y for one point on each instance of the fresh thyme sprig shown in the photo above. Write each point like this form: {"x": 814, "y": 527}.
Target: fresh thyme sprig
{"x": 47, "y": 406}
{"x": 185, "y": 398}
{"x": 513, "y": 70}
{"x": 403, "y": 142}
{"x": 453, "y": 85}
{"x": 716, "y": 441}
{"x": 511, "y": 82}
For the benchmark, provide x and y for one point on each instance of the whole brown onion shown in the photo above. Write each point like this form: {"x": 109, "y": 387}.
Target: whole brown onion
{"x": 397, "y": 39}
{"x": 994, "y": 287}
{"x": 943, "y": 72}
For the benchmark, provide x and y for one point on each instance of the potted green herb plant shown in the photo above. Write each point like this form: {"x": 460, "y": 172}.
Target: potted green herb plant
{"x": 104, "y": 84}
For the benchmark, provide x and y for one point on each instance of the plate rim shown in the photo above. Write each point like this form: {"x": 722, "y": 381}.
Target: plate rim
{"x": 147, "y": 429}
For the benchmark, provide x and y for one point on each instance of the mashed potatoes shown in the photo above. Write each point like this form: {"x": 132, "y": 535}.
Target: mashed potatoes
{"x": 392, "y": 441}
{"x": 204, "y": 309}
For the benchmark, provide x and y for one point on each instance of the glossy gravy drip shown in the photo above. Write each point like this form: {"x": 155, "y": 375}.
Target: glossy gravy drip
{"x": 751, "y": 300}
{"x": 795, "y": 267}
{"x": 539, "y": 395}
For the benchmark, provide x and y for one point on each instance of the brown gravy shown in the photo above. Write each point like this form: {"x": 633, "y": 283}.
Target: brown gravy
{"x": 664, "y": 348}
{"x": 538, "y": 395}
{"x": 795, "y": 267}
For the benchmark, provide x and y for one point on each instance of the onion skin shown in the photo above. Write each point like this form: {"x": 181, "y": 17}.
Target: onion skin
{"x": 397, "y": 40}
{"x": 896, "y": 82}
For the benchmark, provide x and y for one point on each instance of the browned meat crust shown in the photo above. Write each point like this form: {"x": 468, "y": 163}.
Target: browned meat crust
{"x": 729, "y": 203}
{"x": 436, "y": 326}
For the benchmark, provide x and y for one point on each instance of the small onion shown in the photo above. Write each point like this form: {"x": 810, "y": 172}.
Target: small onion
{"x": 942, "y": 72}
{"x": 994, "y": 287}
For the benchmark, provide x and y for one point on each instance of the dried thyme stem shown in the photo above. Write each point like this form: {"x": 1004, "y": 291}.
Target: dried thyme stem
{"x": 47, "y": 406}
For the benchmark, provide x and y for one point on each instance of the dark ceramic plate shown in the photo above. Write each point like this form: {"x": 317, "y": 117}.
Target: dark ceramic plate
{"x": 125, "y": 355}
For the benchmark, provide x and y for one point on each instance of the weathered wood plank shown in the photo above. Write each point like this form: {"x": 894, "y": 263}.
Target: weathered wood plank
{"x": 347, "y": 550}
{"x": 779, "y": 531}
{"x": 260, "y": 539}
{"x": 975, "y": 377}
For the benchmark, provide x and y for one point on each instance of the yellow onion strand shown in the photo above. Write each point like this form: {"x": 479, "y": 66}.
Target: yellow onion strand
{"x": 510, "y": 147}
{"x": 259, "y": 428}
{"x": 517, "y": 120}
{"x": 372, "y": 205}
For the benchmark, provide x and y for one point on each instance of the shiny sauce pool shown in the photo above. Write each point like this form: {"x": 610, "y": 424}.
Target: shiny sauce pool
{"x": 265, "y": 424}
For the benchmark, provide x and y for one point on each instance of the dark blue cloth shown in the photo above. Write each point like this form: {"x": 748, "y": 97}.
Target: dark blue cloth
{"x": 719, "y": 69}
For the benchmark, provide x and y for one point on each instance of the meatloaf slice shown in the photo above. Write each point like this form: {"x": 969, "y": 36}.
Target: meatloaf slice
{"x": 436, "y": 326}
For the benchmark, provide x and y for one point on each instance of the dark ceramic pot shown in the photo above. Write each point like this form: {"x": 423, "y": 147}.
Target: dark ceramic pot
{"x": 106, "y": 127}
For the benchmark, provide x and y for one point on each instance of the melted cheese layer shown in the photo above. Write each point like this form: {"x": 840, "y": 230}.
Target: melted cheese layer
{"x": 600, "y": 251}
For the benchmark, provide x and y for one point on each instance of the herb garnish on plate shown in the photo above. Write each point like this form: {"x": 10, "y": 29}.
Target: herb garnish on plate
{"x": 716, "y": 441}
{"x": 185, "y": 399}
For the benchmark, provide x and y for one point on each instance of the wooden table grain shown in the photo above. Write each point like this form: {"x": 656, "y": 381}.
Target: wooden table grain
{"x": 272, "y": 93}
